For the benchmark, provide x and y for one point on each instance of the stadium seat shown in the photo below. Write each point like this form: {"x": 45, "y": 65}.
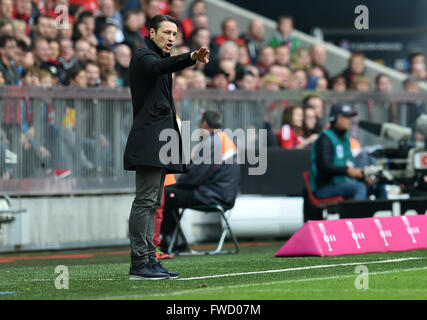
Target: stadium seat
{"x": 6, "y": 210}
{"x": 316, "y": 201}
{"x": 325, "y": 205}
{"x": 225, "y": 228}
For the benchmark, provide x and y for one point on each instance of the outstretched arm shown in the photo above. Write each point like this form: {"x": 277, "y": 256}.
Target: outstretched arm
{"x": 148, "y": 62}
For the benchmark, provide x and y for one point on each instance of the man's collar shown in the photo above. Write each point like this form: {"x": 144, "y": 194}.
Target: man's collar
{"x": 153, "y": 46}
{"x": 339, "y": 132}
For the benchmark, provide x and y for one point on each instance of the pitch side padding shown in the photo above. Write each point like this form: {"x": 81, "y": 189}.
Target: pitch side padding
{"x": 356, "y": 236}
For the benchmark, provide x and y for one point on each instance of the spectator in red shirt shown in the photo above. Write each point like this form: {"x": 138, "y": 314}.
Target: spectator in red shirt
{"x": 230, "y": 32}
{"x": 291, "y": 133}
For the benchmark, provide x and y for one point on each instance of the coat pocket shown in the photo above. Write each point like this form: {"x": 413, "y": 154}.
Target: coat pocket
{"x": 161, "y": 110}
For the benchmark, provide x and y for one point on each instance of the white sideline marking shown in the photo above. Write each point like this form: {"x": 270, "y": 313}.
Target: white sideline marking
{"x": 299, "y": 268}
{"x": 177, "y": 293}
{"x": 242, "y": 273}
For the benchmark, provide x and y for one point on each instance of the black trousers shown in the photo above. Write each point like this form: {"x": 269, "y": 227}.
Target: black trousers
{"x": 175, "y": 197}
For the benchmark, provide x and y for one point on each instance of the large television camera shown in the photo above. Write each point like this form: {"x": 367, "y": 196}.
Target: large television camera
{"x": 405, "y": 163}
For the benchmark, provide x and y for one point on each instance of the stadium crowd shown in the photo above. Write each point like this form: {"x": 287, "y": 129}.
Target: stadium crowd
{"x": 90, "y": 44}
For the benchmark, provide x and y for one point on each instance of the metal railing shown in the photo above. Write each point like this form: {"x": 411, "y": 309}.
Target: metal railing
{"x": 49, "y": 133}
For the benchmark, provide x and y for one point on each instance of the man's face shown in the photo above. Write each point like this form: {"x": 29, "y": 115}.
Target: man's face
{"x": 9, "y": 50}
{"x": 23, "y": 6}
{"x": 6, "y": 8}
{"x": 266, "y": 56}
{"x": 92, "y": 73}
{"x": 152, "y": 9}
{"x": 282, "y": 55}
{"x": 343, "y": 122}
{"x": 286, "y": 26}
{"x": 384, "y": 84}
{"x": 165, "y": 36}
{"x": 177, "y": 8}
{"x": 106, "y": 60}
{"x": 107, "y": 8}
{"x": 42, "y": 51}
{"x": 202, "y": 38}
{"x": 319, "y": 55}
{"x": 43, "y": 26}
{"x": 357, "y": 64}
{"x": 123, "y": 55}
{"x": 257, "y": 29}
{"x": 81, "y": 50}
{"x": 66, "y": 49}
{"x": 133, "y": 22}
{"x": 282, "y": 73}
{"x": 231, "y": 30}
{"x": 109, "y": 35}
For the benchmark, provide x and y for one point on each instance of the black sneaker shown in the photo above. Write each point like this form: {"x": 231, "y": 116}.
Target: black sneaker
{"x": 159, "y": 268}
{"x": 146, "y": 271}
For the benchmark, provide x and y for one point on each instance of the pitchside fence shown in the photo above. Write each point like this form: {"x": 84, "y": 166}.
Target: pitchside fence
{"x": 49, "y": 133}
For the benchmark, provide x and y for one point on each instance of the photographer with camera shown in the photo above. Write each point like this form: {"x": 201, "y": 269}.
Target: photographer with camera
{"x": 333, "y": 166}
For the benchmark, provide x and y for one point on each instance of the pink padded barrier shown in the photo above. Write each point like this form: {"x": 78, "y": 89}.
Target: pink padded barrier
{"x": 355, "y": 236}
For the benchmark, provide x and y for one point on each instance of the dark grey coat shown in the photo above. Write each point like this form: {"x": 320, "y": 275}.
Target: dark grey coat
{"x": 150, "y": 75}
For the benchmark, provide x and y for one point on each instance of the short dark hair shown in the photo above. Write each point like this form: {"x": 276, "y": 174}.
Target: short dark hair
{"x": 85, "y": 14}
{"x": 36, "y": 40}
{"x": 72, "y": 73}
{"x": 107, "y": 25}
{"x": 413, "y": 55}
{"x": 158, "y": 19}
{"x": 4, "y": 39}
{"x": 131, "y": 12}
{"x": 23, "y": 45}
{"x": 213, "y": 119}
{"x": 101, "y": 47}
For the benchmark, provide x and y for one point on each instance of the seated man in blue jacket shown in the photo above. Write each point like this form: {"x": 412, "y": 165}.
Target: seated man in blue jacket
{"x": 211, "y": 177}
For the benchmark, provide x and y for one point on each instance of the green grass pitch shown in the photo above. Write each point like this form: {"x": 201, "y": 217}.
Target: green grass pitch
{"x": 253, "y": 274}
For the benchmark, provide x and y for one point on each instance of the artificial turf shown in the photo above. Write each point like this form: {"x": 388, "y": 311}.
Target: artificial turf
{"x": 252, "y": 274}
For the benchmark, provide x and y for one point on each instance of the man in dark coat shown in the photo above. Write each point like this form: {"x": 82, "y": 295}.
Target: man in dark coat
{"x": 150, "y": 73}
